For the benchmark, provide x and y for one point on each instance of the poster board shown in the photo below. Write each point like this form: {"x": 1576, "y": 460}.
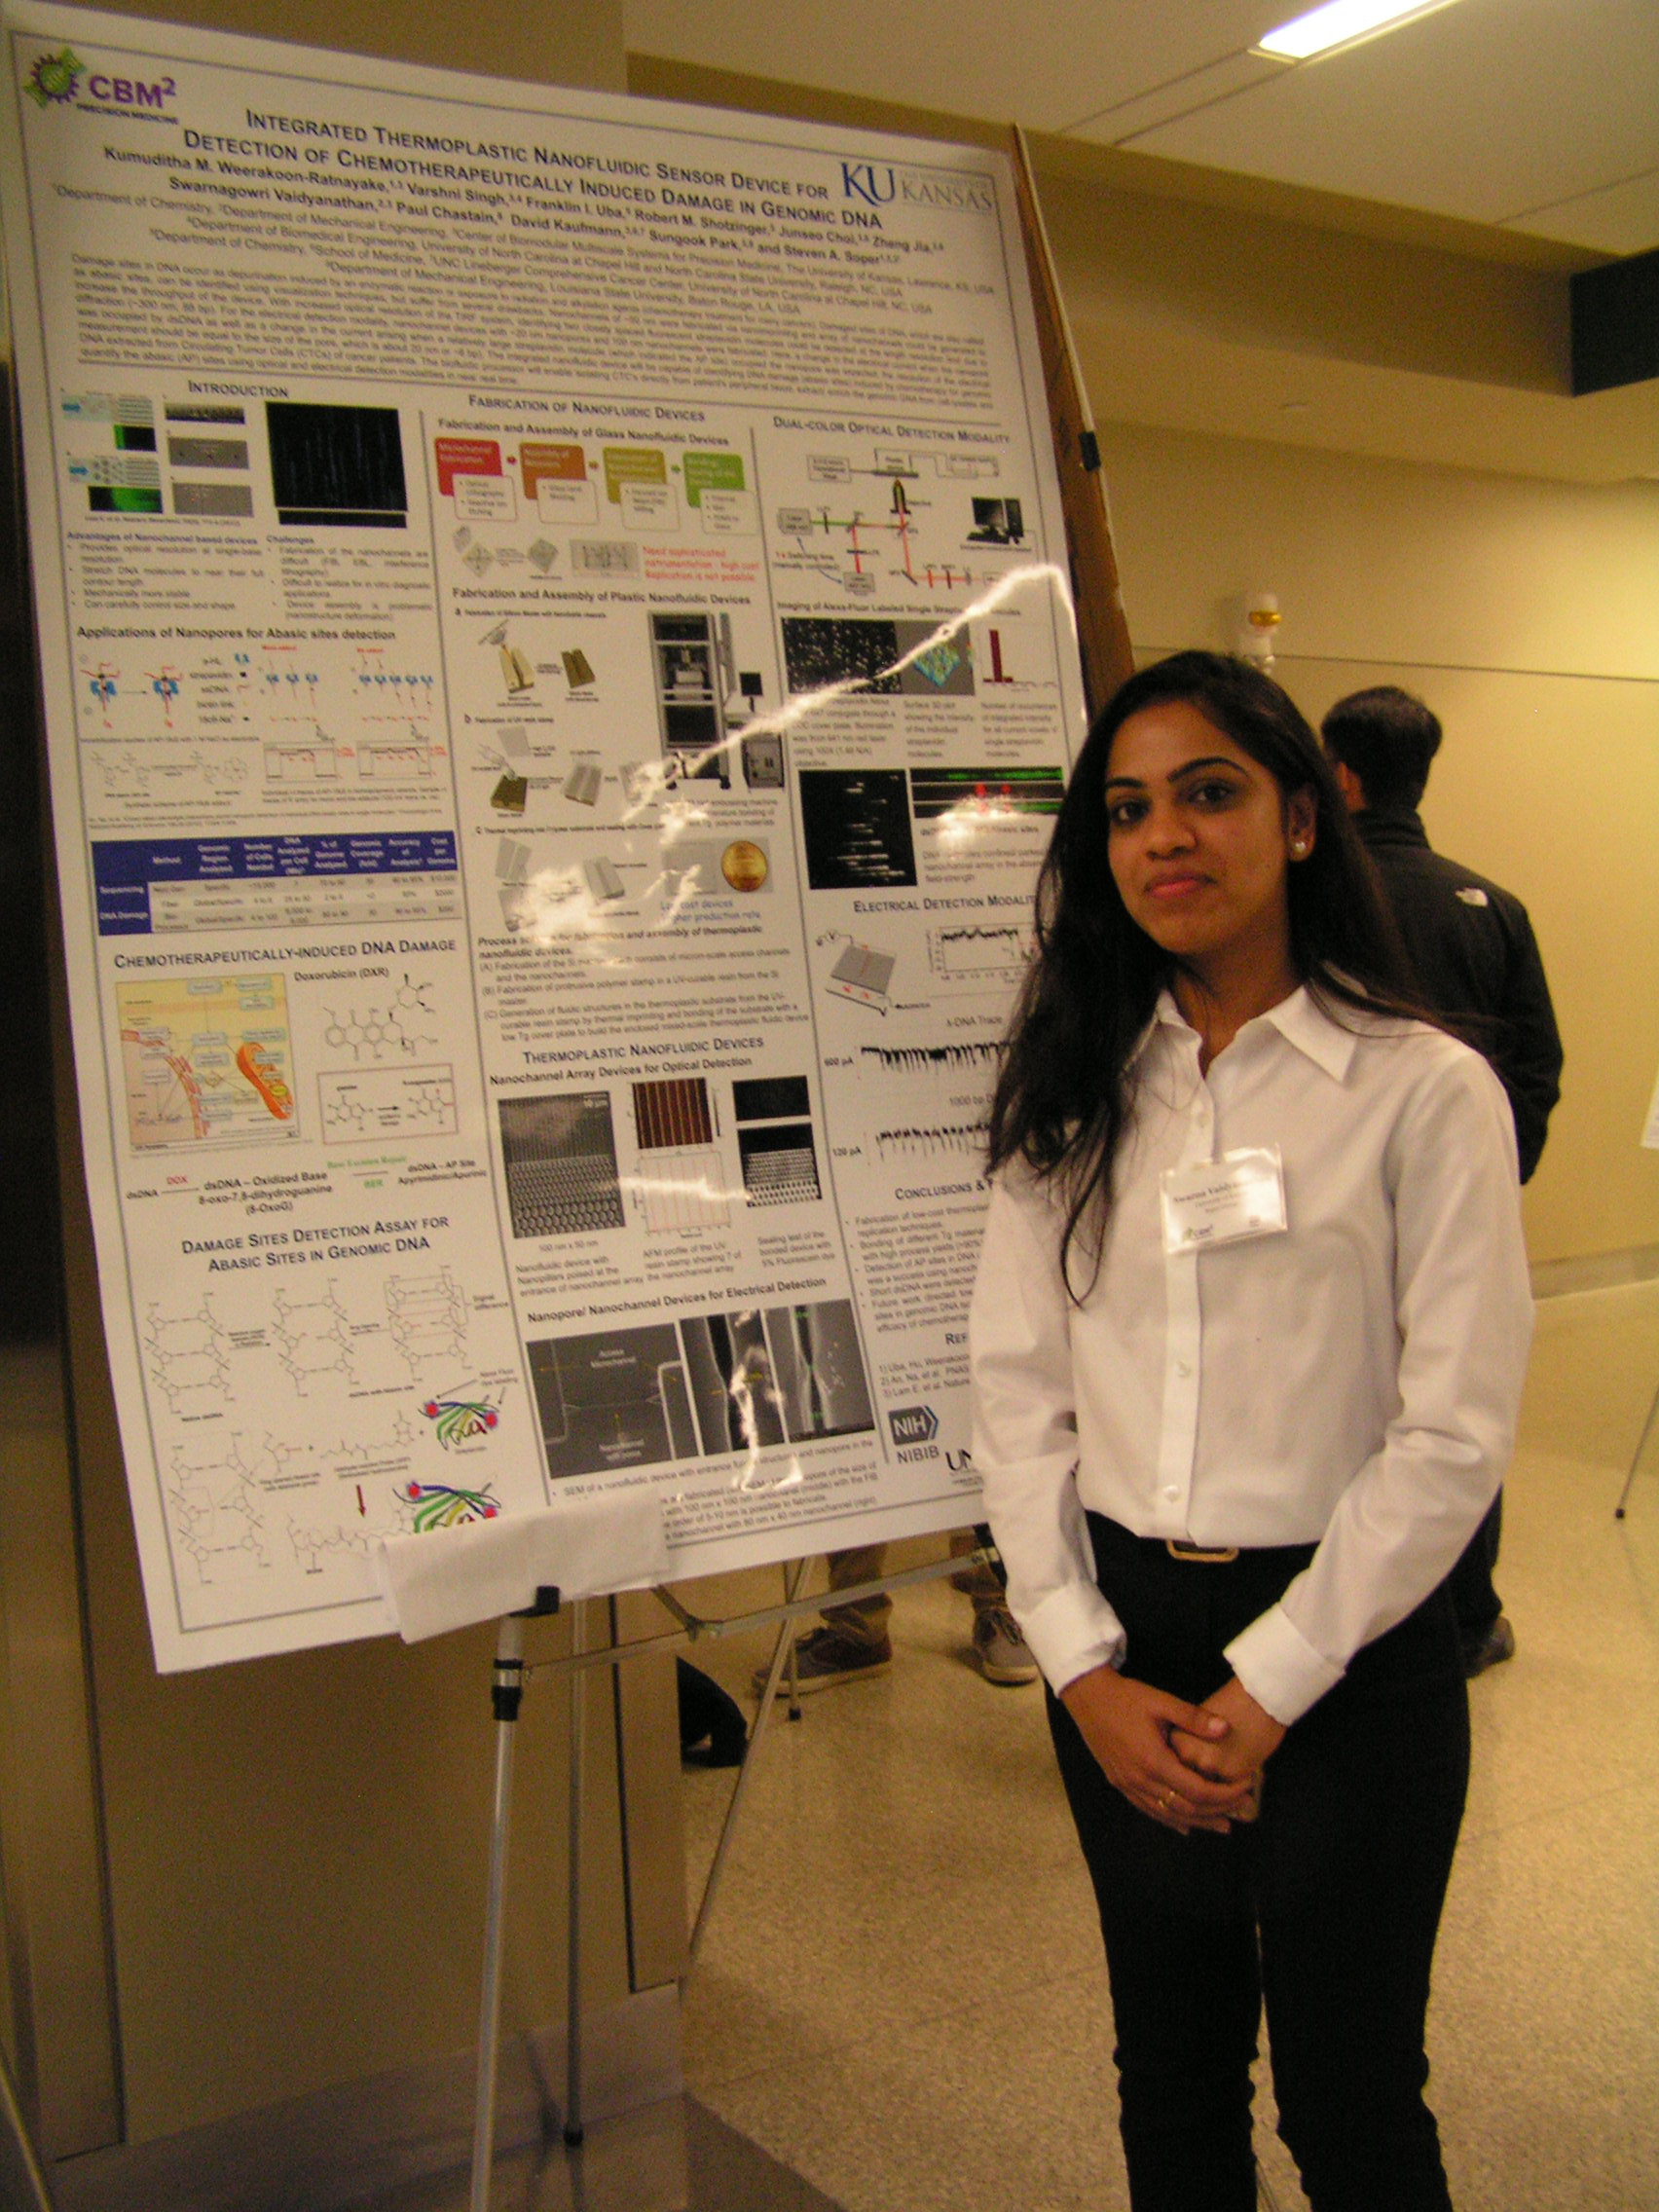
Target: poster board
{"x": 559, "y": 670}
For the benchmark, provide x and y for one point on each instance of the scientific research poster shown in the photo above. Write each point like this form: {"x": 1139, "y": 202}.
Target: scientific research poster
{"x": 559, "y": 676}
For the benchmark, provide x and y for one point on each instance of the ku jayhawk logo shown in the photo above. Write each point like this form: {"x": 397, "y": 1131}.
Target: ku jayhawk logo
{"x": 55, "y": 77}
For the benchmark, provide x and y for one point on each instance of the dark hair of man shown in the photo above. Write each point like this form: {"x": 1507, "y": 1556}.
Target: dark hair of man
{"x": 1064, "y": 1091}
{"x": 1387, "y": 737}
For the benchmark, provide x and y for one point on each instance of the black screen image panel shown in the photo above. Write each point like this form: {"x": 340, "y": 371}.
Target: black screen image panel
{"x": 337, "y": 467}
{"x": 780, "y": 1163}
{"x": 771, "y": 1097}
{"x": 857, "y": 826}
{"x": 936, "y": 791}
{"x": 839, "y": 650}
{"x": 997, "y": 522}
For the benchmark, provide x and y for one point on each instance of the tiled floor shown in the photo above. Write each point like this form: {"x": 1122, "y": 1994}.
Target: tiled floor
{"x": 901, "y": 1997}
{"x": 674, "y": 2156}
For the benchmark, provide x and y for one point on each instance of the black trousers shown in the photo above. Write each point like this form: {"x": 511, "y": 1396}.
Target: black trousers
{"x": 1473, "y": 1591}
{"x": 1326, "y": 1908}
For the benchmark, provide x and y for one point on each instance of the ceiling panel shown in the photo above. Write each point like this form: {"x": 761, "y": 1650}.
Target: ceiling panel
{"x": 1045, "y": 66}
{"x": 1484, "y": 110}
{"x": 1177, "y": 96}
{"x": 1143, "y": 371}
{"x": 1622, "y": 219}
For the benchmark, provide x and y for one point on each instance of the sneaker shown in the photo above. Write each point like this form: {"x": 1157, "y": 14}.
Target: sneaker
{"x": 1000, "y": 1649}
{"x": 827, "y": 1656}
{"x": 1489, "y": 1650}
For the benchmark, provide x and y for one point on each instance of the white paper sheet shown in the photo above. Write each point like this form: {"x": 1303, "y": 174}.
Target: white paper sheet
{"x": 584, "y": 1547}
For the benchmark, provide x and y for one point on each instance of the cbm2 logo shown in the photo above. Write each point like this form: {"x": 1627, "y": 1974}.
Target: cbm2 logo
{"x": 913, "y": 1424}
{"x": 56, "y": 80}
{"x": 131, "y": 92}
{"x": 54, "y": 77}
{"x": 862, "y": 180}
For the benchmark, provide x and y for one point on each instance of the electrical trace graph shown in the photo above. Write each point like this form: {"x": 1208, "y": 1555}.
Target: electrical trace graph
{"x": 977, "y": 952}
{"x": 941, "y": 1094}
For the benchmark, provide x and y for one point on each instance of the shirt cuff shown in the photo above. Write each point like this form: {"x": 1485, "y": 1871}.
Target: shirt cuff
{"x": 1278, "y": 1666}
{"x": 1071, "y": 1632}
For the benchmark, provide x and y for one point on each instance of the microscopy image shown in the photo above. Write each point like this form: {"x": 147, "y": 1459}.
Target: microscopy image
{"x": 856, "y": 827}
{"x": 560, "y": 1156}
{"x": 614, "y": 1399}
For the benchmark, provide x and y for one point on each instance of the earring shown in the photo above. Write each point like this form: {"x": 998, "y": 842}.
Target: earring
{"x": 1298, "y": 849}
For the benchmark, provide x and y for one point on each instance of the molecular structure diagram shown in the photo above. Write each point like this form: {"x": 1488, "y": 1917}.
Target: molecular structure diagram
{"x": 215, "y": 1512}
{"x": 131, "y": 774}
{"x": 429, "y": 1317}
{"x": 188, "y": 1357}
{"x": 355, "y": 1452}
{"x": 311, "y": 1337}
{"x": 381, "y": 1032}
{"x": 311, "y": 1546}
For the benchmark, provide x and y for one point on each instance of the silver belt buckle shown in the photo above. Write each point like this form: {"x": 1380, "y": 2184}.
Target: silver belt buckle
{"x": 1196, "y": 1555}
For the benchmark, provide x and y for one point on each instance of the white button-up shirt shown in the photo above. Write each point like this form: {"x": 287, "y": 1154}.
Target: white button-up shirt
{"x": 1353, "y": 1383}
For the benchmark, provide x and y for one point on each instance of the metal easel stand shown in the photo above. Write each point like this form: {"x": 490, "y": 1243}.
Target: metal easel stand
{"x": 574, "y": 1949}
{"x": 509, "y": 1678}
{"x": 695, "y": 1629}
{"x": 783, "y": 1653}
{"x": 507, "y": 1695}
{"x": 1636, "y": 1457}
{"x": 38, "y": 2197}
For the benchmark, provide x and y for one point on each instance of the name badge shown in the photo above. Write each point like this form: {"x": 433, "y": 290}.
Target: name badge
{"x": 1222, "y": 1201}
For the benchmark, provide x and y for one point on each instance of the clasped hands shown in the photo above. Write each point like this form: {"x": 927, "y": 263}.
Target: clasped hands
{"x": 1188, "y": 1766}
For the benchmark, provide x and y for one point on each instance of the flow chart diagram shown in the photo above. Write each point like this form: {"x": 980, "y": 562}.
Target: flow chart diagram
{"x": 206, "y": 1059}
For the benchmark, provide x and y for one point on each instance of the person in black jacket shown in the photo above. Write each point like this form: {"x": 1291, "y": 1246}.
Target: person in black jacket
{"x": 1478, "y": 964}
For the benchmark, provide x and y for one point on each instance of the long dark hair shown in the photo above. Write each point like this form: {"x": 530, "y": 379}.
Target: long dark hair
{"x": 1065, "y": 1089}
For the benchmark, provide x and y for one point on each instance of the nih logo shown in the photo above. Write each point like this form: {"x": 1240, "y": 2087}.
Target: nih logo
{"x": 915, "y": 1428}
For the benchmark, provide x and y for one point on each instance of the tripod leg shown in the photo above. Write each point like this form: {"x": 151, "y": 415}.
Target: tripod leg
{"x": 1636, "y": 1457}
{"x": 574, "y": 1948}
{"x": 506, "y": 1691}
{"x": 795, "y": 1652}
{"x": 774, "y": 1674}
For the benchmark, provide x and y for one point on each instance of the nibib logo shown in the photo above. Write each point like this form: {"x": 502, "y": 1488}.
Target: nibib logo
{"x": 913, "y": 1424}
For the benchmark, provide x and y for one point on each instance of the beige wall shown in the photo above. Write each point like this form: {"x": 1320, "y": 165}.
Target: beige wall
{"x": 1524, "y": 611}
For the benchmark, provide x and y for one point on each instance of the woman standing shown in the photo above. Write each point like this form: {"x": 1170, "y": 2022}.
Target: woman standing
{"x": 1248, "y": 1341}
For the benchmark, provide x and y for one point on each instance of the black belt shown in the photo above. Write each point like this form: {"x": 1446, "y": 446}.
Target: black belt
{"x": 1294, "y": 1557}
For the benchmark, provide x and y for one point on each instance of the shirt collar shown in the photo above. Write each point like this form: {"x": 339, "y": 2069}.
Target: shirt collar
{"x": 1304, "y": 1023}
{"x": 1299, "y": 1020}
{"x": 1390, "y": 826}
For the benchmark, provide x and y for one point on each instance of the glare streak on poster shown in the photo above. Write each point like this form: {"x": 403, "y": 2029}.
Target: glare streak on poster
{"x": 559, "y": 678}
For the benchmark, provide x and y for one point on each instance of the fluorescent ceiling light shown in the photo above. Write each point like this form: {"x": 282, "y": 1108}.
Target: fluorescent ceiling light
{"x": 1341, "y": 22}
